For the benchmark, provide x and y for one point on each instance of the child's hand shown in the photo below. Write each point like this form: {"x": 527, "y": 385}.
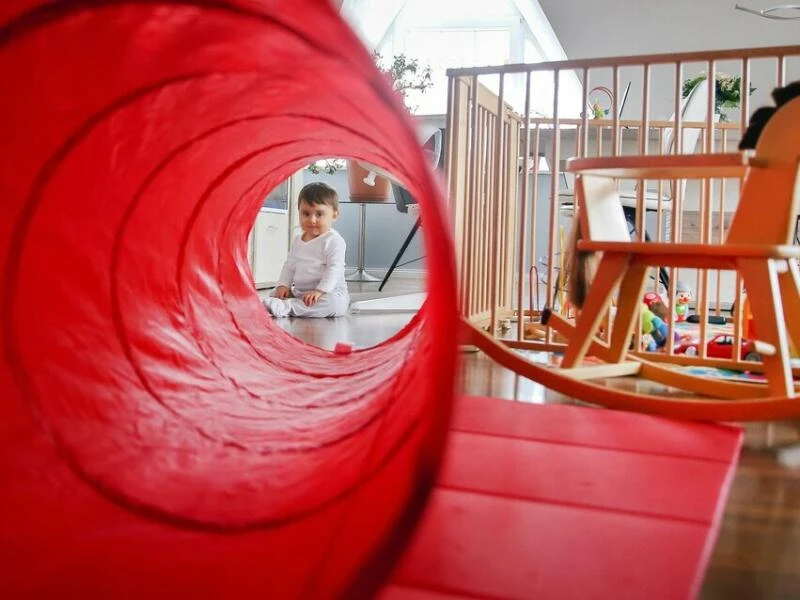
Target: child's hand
{"x": 281, "y": 292}
{"x": 310, "y": 298}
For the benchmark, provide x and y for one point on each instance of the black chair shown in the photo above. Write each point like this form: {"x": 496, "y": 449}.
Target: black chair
{"x": 402, "y": 199}
{"x": 434, "y": 146}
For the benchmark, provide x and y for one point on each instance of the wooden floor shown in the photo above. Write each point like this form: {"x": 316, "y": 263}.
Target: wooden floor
{"x": 758, "y": 552}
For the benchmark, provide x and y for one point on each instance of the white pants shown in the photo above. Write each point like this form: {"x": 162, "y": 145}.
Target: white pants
{"x": 332, "y": 304}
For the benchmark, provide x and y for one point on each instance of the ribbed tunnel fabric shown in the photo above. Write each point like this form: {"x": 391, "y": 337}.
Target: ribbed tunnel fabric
{"x": 158, "y": 432}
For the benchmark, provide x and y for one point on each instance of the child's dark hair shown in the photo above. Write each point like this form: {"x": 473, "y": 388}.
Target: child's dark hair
{"x": 319, "y": 193}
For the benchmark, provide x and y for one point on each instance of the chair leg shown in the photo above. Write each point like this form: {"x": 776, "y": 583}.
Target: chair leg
{"x": 790, "y": 296}
{"x": 399, "y": 255}
{"x": 761, "y": 280}
{"x": 609, "y": 272}
{"x": 630, "y": 300}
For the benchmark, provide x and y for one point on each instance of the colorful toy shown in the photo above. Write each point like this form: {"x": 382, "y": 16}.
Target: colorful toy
{"x": 656, "y": 305}
{"x": 660, "y": 310}
{"x": 650, "y": 297}
{"x": 720, "y": 346}
{"x": 683, "y": 295}
{"x": 597, "y": 111}
{"x": 655, "y": 314}
{"x": 655, "y": 327}
{"x": 343, "y": 347}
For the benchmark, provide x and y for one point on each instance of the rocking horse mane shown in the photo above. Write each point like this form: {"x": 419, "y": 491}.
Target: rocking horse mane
{"x": 759, "y": 119}
{"x": 580, "y": 266}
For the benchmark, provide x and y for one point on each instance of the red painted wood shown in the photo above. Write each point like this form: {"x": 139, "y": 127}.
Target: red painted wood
{"x": 634, "y": 514}
{"x": 563, "y": 473}
{"x": 609, "y": 428}
{"x": 397, "y": 592}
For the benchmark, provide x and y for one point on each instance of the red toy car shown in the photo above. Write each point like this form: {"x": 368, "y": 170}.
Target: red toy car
{"x": 720, "y": 346}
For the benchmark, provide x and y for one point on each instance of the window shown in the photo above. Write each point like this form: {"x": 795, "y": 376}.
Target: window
{"x": 457, "y": 47}
{"x": 278, "y": 198}
{"x": 466, "y": 33}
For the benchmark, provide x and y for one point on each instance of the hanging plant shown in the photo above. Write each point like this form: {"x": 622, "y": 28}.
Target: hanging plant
{"x": 326, "y": 165}
{"x": 405, "y": 74}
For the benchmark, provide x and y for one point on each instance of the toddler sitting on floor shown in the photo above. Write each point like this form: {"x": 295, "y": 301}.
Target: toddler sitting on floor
{"x": 312, "y": 283}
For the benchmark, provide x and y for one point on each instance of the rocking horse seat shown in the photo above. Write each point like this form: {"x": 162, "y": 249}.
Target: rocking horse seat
{"x": 719, "y": 254}
{"x": 671, "y": 166}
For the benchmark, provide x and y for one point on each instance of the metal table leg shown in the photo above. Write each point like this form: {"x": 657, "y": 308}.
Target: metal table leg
{"x": 360, "y": 274}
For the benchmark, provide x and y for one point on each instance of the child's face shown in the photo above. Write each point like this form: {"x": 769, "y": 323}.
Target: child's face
{"x": 316, "y": 219}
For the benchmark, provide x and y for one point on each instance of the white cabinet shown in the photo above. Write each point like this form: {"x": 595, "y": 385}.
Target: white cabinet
{"x": 269, "y": 246}
{"x": 269, "y": 238}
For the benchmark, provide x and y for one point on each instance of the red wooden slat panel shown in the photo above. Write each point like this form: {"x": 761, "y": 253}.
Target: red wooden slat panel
{"x": 608, "y": 429}
{"x": 681, "y": 488}
{"x": 502, "y": 548}
{"x": 611, "y": 505}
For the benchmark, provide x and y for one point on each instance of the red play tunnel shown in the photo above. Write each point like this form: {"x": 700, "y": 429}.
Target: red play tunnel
{"x": 158, "y": 433}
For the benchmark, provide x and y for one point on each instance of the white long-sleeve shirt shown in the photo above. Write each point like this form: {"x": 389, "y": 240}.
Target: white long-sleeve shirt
{"x": 316, "y": 265}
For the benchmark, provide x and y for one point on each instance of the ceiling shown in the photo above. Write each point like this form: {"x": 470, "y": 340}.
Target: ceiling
{"x": 608, "y": 28}
{"x": 627, "y": 27}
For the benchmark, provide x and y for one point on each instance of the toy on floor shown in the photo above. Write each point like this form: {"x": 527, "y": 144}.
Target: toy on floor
{"x": 655, "y": 327}
{"x": 343, "y": 347}
{"x": 650, "y": 297}
{"x": 683, "y": 295}
{"x": 655, "y": 315}
{"x": 657, "y": 305}
{"x": 538, "y": 331}
{"x": 720, "y": 346}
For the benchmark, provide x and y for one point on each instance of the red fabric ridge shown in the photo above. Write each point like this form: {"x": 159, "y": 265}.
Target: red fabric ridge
{"x": 158, "y": 433}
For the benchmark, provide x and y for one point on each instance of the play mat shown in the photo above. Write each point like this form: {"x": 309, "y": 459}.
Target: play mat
{"x": 689, "y": 331}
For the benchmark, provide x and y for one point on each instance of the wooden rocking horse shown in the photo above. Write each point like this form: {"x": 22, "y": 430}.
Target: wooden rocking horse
{"x": 758, "y": 245}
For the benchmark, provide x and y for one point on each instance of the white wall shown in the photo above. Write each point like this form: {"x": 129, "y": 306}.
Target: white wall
{"x": 624, "y": 27}
{"x": 633, "y": 27}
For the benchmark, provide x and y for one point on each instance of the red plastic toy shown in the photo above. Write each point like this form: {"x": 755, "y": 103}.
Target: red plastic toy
{"x": 720, "y": 346}
{"x": 650, "y": 297}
